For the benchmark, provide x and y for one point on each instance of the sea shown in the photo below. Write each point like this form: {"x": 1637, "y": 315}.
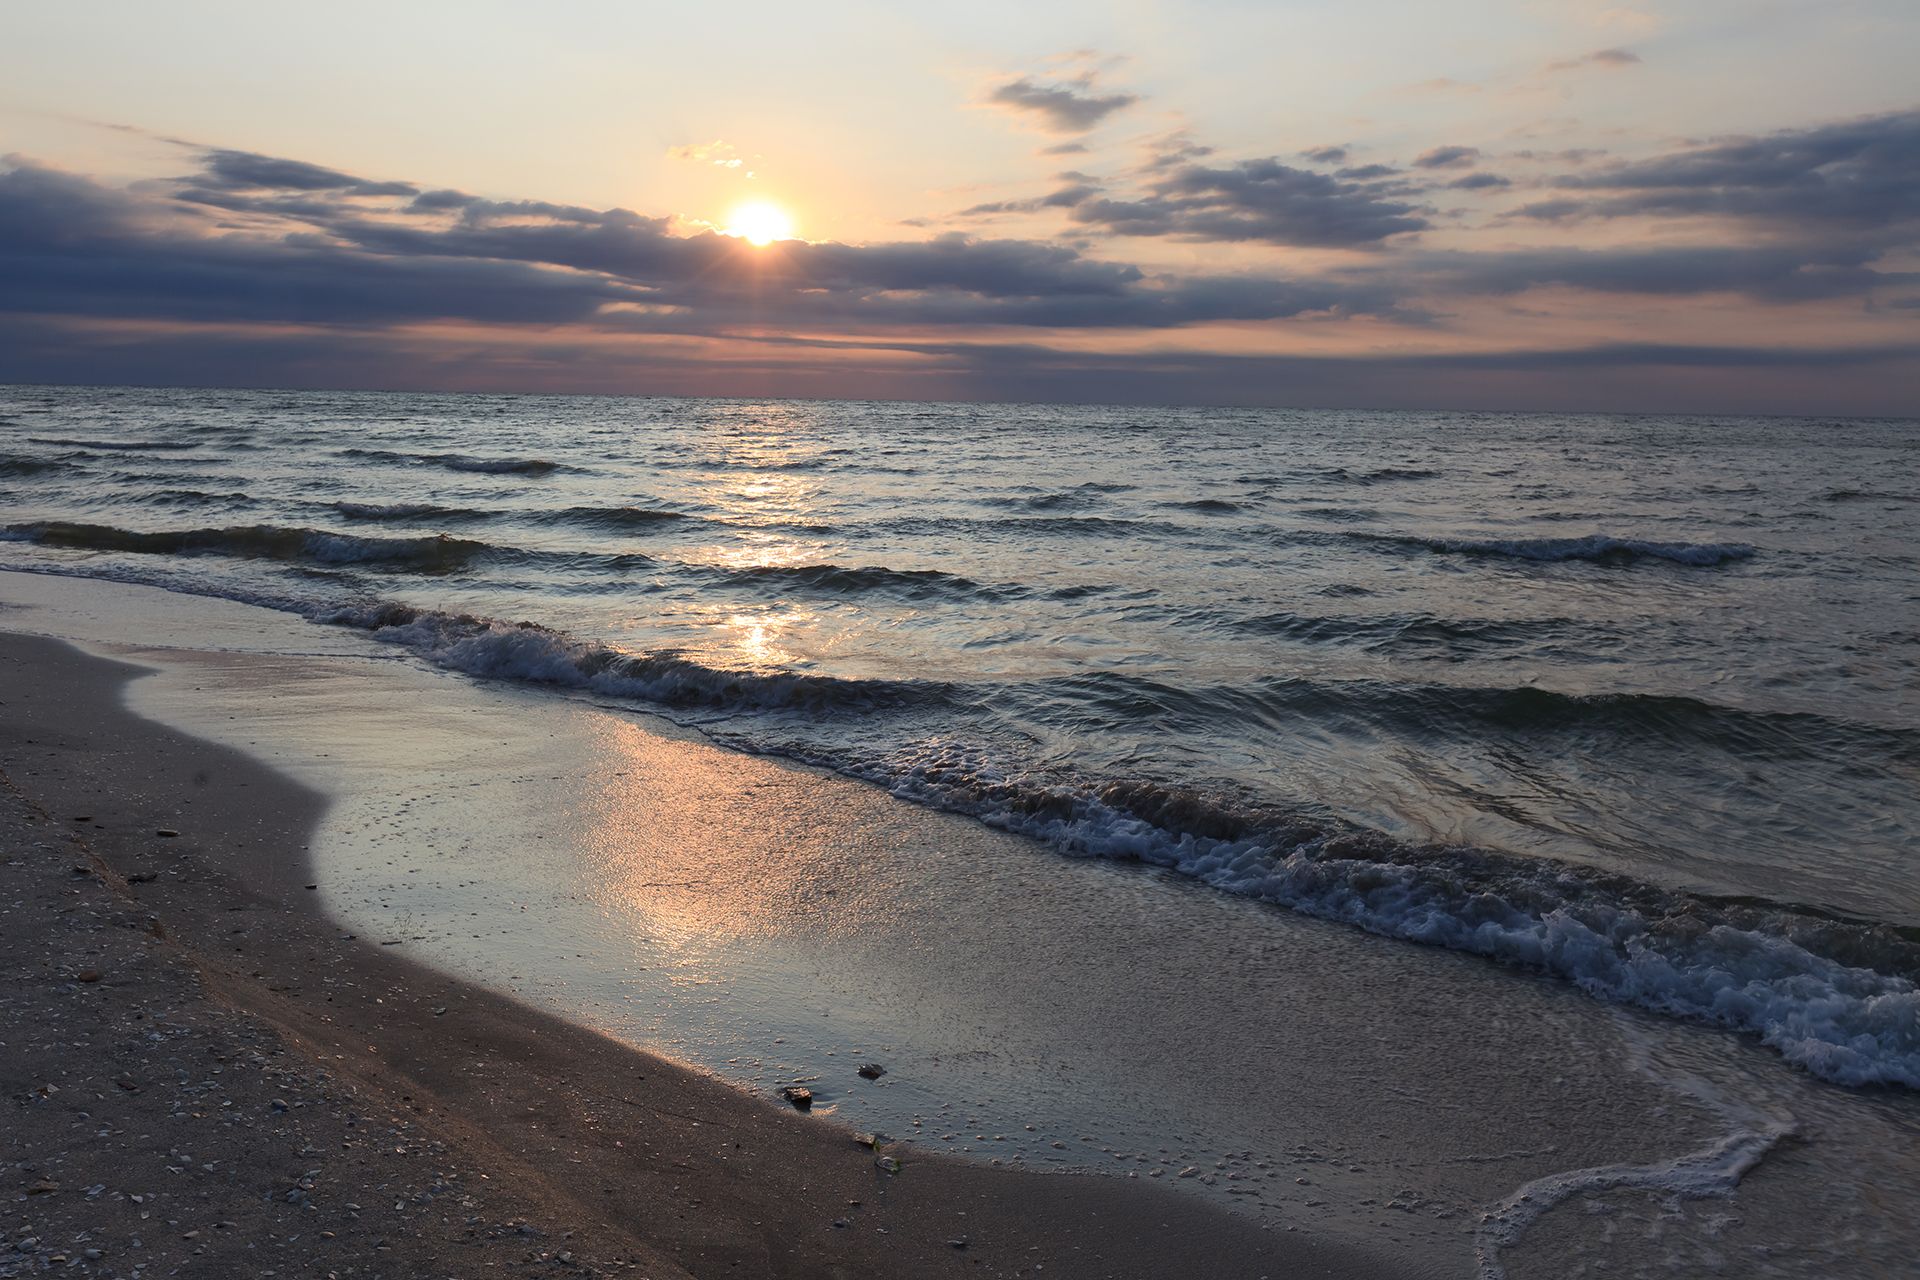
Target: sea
{"x": 1627, "y": 702}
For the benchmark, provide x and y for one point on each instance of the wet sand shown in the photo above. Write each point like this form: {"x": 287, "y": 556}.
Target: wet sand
{"x": 502, "y": 1136}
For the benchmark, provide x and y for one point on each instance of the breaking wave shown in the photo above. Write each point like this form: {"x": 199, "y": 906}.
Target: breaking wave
{"x": 529, "y": 652}
{"x": 1833, "y": 995}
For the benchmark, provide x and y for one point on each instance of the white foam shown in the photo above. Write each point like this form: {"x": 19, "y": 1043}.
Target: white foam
{"x": 1850, "y": 1025}
{"x": 1847, "y": 1024}
{"x": 1712, "y": 1171}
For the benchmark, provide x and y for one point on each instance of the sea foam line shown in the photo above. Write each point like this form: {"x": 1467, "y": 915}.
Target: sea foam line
{"x": 1619, "y": 940}
{"x": 1623, "y": 941}
{"x": 1712, "y": 1171}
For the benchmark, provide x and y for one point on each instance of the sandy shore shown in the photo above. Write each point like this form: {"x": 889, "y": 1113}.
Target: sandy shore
{"x": 205, "y": 1074}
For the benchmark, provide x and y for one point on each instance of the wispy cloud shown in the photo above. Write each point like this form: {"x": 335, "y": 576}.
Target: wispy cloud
{"x": 1072, "y": 105}
{"x": 718, "y": 153}
{"x": 1448, "y": 157}
{"x": 1614, "y": 59}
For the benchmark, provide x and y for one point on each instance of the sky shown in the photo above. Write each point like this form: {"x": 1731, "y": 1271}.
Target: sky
{"x": 1670, "y": 205}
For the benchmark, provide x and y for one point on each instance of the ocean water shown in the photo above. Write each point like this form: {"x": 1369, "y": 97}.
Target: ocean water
{"x": 1633, "y": 701}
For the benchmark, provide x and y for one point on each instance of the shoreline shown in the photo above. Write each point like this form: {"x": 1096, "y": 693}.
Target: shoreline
{"x": 545, "y": 1113}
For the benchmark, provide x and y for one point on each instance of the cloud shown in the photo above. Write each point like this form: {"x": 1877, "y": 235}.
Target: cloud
{"x": 1060, "y": 106}
{"x": 1326, "y": 155}
{"x": 71, "y": 246}
{"x": 246, "y": 171}
{"x": 1253, "y": 200}
{"x": 1609, "y": 59}
{"x": 1452, "y": 157}
{"x": 1080, "y": 188}
{"x": 1861, "y": 175}
{"x": 1566, "y": 155}
{"x": 1778, "y": 273}
{"x": 1635, "y": 377}
{"x": 719, "y": 153}
{"x": 324, "y": 277}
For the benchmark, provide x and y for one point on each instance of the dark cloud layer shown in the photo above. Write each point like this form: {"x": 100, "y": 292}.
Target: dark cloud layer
{"x": 245, "y": 171}
{"x": 1254, "y": 200}
{"x": 1856, "y": 175}
{"x": 293, "y": 272}
{"x": 1784, "y": 273}
{"x": 1645, "y": 377}
{"x": 70, "y": 246}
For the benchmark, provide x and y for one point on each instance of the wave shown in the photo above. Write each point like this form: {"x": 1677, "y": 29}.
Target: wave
{"x": 492, "y": 466}
{"x": 12, "y": 465}
{"x": 1351, "y": 515}
{"x": 191, "y": 498}
{"x": 1069, "y": 526}
{"x": 460, "y": 462}
{"x": 436, "y": 554}
{"x": 1207, "y": 506}
{"x": 125, "y": 446}
{"x": 1464, "y": 713}
{"x": 1387, "y": 475}
{"x": 1402, "y": 632}
{"x": 1598, "y": 548}
{"x": 526, "y": 651}
{"x": 912, "y": 584}
{"x": 1835, "y": 997}
{"x": 1081, "y": 495}
{"x": 1867, "y": 495}
{"x": 406, "y": 511}
{"x": 616, "y": 519}
{"x": 1343, "y": 476}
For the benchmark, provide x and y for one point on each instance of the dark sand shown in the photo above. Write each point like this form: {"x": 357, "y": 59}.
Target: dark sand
{"x": 349, "y": 1112}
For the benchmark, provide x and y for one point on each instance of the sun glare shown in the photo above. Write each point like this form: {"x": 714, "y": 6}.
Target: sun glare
{"x": 760, "y": 223}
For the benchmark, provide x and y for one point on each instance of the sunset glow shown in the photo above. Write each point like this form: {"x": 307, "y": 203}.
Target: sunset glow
{"x": 817, "y": 621}
{"x": 760, "y": 223}
{"x": 1600, "y": 207}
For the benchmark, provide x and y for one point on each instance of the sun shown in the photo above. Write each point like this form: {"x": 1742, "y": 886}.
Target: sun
{"x": 760, "y": 223}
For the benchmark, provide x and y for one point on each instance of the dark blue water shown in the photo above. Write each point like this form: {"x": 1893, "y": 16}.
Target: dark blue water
{"x": 1575, "y": 692}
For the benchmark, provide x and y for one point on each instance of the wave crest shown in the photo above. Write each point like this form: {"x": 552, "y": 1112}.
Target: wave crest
{"x": 460, "y": 462}
{"x": 17, "y": 465}
{"x": 405, "y": 511}
{"x": 1834, "y": 997}
{"x": 437, "y": 554}
{"x": 1599, "y": 548}
{"x": 529, "y": 652}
